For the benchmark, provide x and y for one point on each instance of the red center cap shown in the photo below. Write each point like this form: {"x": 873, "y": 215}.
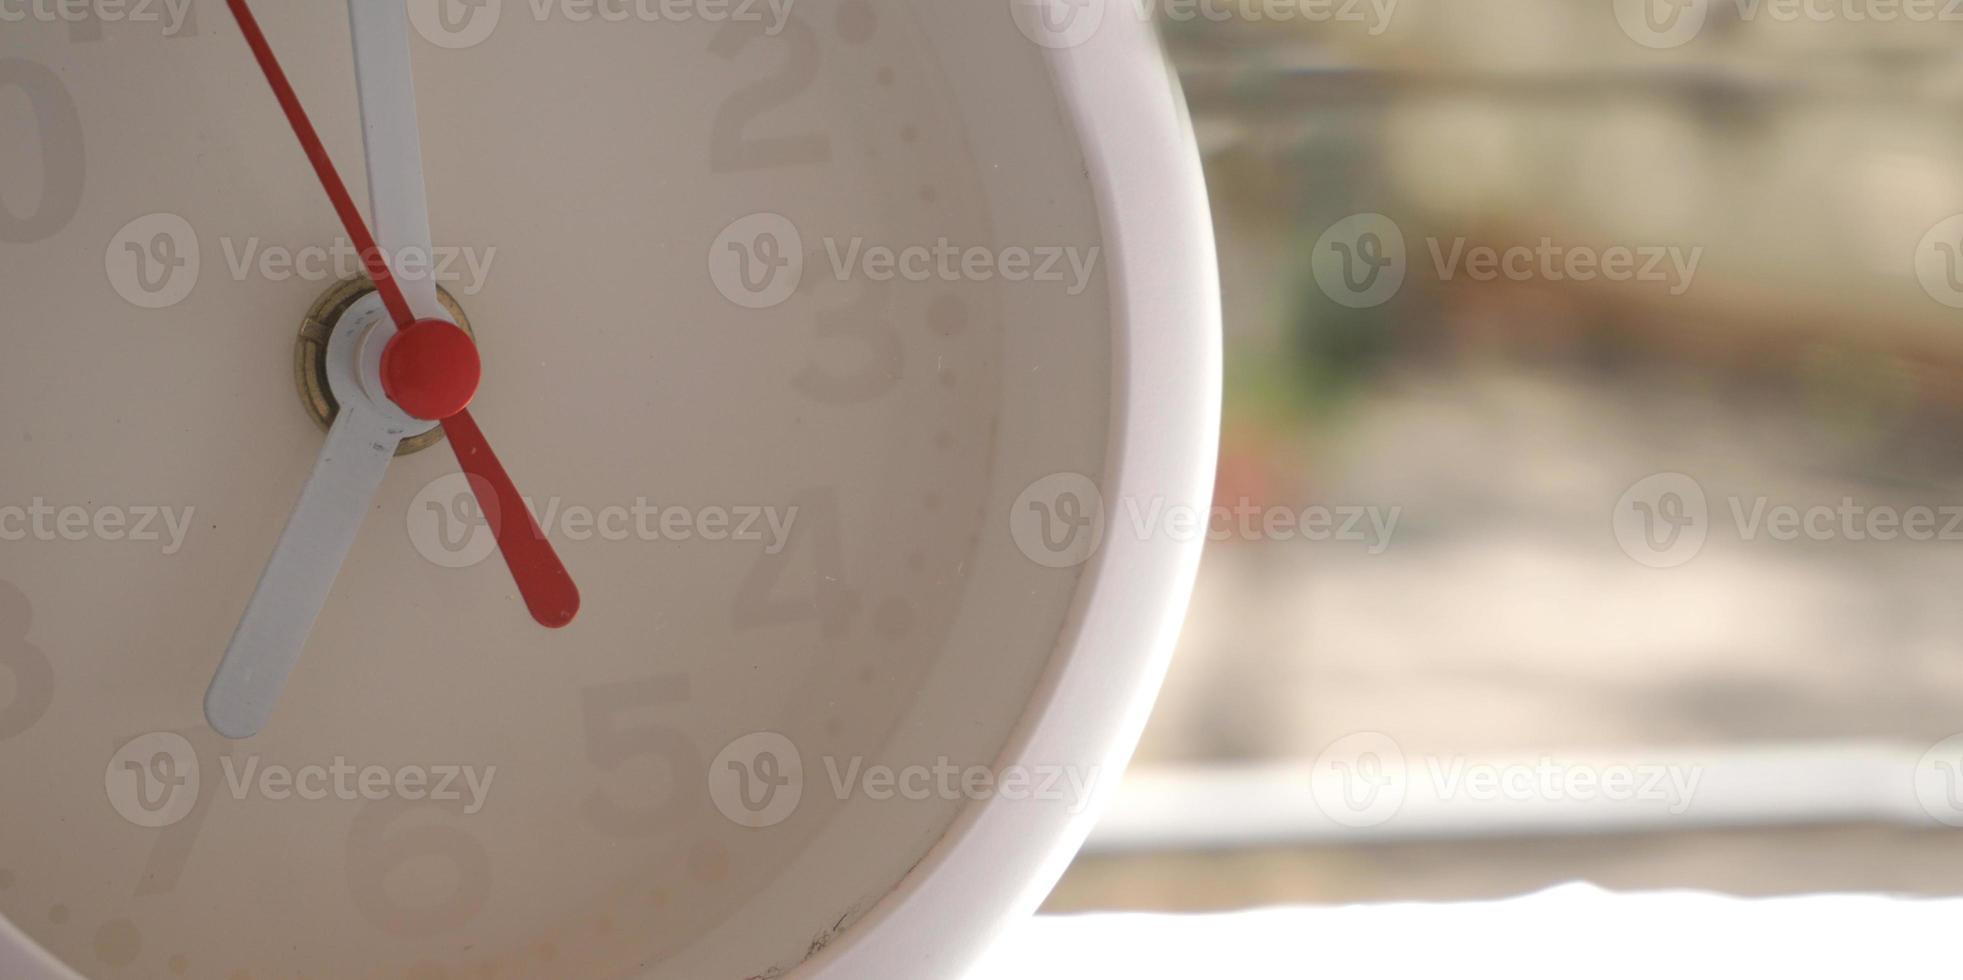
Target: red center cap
{"x": 431, "y": 369}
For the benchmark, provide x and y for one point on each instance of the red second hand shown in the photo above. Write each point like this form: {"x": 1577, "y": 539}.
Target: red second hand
{"x": 337, "y": 192}
{"x": 542, "y": 579}
{"x": 548, "y": 590}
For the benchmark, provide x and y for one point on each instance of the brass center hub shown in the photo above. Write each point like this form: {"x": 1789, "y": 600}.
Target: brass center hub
{"x": 310, "y": 353}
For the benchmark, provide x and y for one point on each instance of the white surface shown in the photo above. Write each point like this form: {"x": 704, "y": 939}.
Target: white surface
{"x": 1425, "y": 798}
{"x": 1569, "y": 933}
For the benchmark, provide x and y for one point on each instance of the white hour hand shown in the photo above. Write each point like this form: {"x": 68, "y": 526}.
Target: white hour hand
{"x": 301, "y": 573}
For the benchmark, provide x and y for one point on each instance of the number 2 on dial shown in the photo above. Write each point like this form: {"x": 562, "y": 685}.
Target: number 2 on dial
{"x": 731, "y": 149}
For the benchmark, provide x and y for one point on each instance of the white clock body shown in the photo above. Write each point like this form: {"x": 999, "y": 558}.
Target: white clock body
{"x": 860, "y": 364}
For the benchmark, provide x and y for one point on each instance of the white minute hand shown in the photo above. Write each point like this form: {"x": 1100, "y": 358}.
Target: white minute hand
{"x": 398, "y": 201}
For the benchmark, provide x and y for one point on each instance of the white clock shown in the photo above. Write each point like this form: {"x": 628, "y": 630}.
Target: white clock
{"x": 847, "y": 363}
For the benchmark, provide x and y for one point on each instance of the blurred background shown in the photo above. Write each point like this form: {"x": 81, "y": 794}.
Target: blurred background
{"x": 1620, "y": 345}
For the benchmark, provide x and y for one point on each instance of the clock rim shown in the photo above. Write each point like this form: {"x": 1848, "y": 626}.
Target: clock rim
{"x": 999, "y": 859}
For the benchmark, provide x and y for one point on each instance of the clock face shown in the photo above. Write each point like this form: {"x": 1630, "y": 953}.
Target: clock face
{"x": 781, "y": 310}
